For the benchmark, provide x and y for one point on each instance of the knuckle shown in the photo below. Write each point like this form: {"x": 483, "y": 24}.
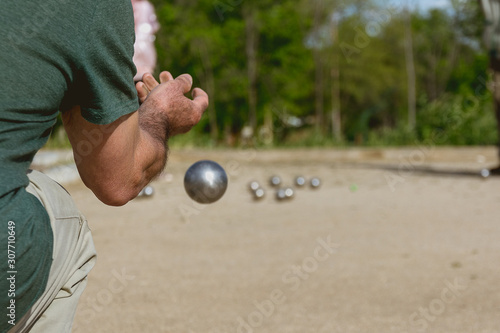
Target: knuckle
{"x": 195, "y": 118}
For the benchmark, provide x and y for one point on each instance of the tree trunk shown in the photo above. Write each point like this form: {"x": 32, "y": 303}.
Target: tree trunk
{"x": 336, "y": 115}
{"x": 319, "y": 91}
{"x": 209, "y": 83}
{"x": 335, "y": 74}
{"x": 319, "y": 69}
{"x": 496, "y": 95}
{"x": 410, "y": 70}
{"x": 251, "y": 53}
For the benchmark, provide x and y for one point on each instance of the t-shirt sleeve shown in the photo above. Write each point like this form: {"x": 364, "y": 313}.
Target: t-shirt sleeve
{"x": 104, "y": 85}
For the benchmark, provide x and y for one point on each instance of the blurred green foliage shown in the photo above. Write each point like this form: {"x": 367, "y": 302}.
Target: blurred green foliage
{"x": 314, "y": 57}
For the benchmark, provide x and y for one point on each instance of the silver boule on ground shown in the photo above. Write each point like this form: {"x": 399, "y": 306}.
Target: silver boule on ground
{"x": 146, "y": 192}
{"x": 289, "y": 193}
{"x": 300, "y": 181}
{"x": 280, "y": 194}
{"x": 253, "y": 186}
{"x": 315, "y": 183}
{"x": 275, "y": 181}
{"x": 259, "y": 194}
{"x": 485, "y": 173}
{"x": 205, "y": 181}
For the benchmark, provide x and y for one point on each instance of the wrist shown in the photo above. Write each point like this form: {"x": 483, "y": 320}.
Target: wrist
{"x": 155, "y": 123}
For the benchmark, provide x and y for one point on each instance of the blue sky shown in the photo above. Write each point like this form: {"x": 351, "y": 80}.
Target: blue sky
{"x": 427, "y": 4}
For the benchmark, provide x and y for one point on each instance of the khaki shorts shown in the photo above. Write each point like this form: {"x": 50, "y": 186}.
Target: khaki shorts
{"x": 73, "y": 257}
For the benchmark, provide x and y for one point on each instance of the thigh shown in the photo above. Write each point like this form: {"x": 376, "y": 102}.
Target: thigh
{"x": 73, "y": 257}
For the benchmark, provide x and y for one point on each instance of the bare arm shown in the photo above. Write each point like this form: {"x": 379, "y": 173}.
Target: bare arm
{"x": 117, "y": 160}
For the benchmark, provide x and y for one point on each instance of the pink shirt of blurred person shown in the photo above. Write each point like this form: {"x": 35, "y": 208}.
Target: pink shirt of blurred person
{"x": 146, "y": 26}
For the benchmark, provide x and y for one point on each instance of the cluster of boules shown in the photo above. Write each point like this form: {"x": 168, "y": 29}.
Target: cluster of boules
{"x": 256, "y": 190}
{"x": 282, "y": 192}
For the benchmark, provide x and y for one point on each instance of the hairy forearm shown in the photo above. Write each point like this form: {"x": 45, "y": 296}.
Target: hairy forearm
{"x": 152, "y": 146}
{"x": 147, "y": 153}
{"x": 130, "y": 153}
{"x": 154, "y": 122}
{"x": 133, "y": 149}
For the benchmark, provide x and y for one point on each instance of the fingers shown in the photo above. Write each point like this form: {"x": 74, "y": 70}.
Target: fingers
{"x": 142, "y": 91}
{"x": 149, "y": 81}
{"x": 185, "y": 81}
{"x": 165, "y": 77}
{"x": 200, "y": 99}
{"x": 145, "y": 86}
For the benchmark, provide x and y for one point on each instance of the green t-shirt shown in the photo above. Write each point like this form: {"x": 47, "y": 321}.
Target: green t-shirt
{"x": 53, "y": 55}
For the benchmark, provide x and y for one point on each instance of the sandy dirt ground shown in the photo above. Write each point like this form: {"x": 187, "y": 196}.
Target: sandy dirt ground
{"x": 380, "y": 247}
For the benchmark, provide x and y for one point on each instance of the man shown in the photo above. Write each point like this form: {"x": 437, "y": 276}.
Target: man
{"x": 74, "y": 57}
{"x": 146, "y": 25}
{"x": 491, "y": 10}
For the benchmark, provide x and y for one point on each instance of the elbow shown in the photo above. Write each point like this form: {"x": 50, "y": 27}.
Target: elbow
{"x": 113, "y": 199}
{"x": 114, "y": 193}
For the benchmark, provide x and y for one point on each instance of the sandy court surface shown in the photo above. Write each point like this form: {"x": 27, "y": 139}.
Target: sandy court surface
{"x": 375, "y": 249}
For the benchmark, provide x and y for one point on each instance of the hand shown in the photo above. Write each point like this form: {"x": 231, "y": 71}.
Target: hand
{"x": 147, "y": 84}
{"x": 167, "y": 97}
